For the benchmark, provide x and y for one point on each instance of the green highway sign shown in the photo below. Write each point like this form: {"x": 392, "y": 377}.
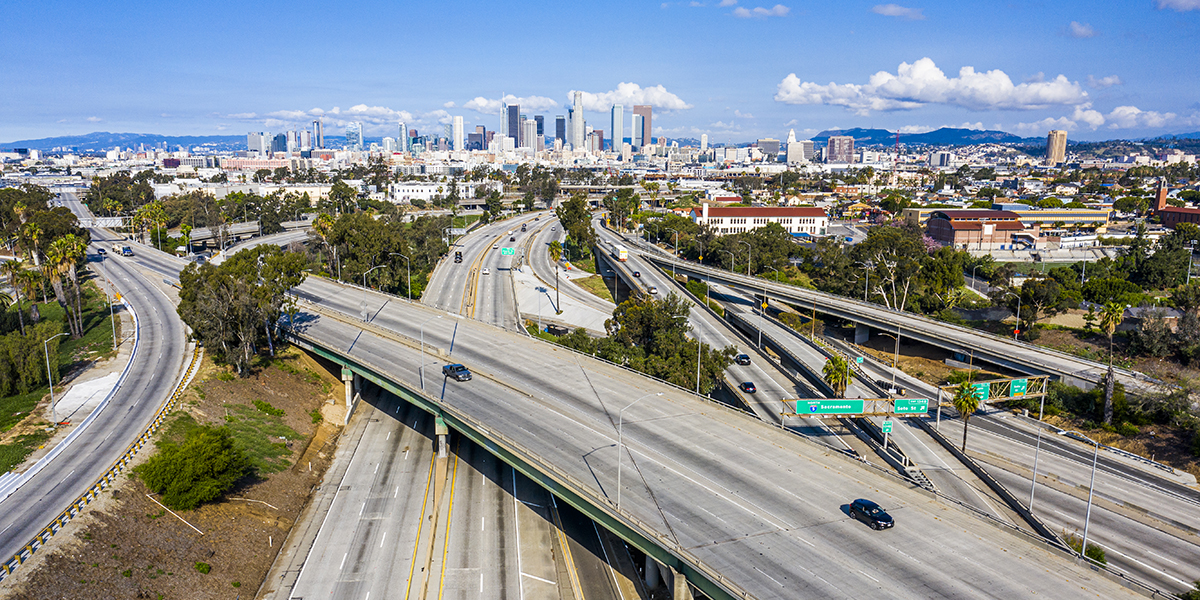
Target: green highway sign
{"x": 829, "y": 407}
{"x": 908, "y": 406}
{"x": 982, "y": 391}
{"x": 508, "y": 251}
{"x": 887, "y": 426}
{"x": 858, "y": 359}
{"x": 1018, "y": 387}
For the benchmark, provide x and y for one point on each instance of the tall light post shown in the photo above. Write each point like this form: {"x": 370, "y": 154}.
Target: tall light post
{"x": 1017, "y": 329}
{"x": 732, "y": 259}
{"x": 1037, "y": 450}
{"x": 699, "y": 346}
{"x": 621, "y": 440}
{"x": 896, "y": 357}
{"x": 866, "y": 277}
{"x": 748, "y": 249}
{"x": 975, "y": 284}
{"x": 409, "y": 263}
{"x": 368, "y": 272}
{"x": 1190, "y": 249}
{"x": 676, "y": 248}
{"x": 50, "y": 374}
{"x": 1091, "y": 489}
{"x": 421, "y": 371}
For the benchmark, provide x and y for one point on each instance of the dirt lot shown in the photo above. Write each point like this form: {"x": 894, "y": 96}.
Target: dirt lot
{"x": 128, "y": 546}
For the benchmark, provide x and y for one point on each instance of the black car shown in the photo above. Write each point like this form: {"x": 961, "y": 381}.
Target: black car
{"x": 512, "y": 239}
{"x": 456, "y": 372}
{"x": 100, "y": 251}
{"x": 888, "y": 387}
{"x": 868, "y": 512}
{"x": 637, "y": 273}
{"x": 748, "y": 387}
{"x": 742, "y": 359}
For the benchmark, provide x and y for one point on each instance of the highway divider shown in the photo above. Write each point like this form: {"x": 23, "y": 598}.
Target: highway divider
{"x": 109, "y": 478}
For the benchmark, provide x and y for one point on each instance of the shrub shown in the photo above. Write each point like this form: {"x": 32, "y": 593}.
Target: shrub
{"x": 1094, "y": 552}
{"x": 1128, "y": 429}
{"x": 201, "y": 469}
{"x": 267, "y": 408}
{"x": 315, "y": 414}
{"x": 203, "y": 567}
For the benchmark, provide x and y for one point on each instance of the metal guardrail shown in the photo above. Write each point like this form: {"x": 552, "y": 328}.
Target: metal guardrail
{"x": 106, "y": 480}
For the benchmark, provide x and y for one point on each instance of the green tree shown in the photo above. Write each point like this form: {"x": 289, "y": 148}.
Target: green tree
{"x": 966, "y": 403}
{"x": 836, "y": 374}
{"x": 1110, "y": 317}
{"x": 201, "y": 469}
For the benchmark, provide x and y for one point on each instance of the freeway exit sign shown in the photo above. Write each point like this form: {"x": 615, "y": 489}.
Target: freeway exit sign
{"x": 508, "y": 251}
{"x": 829, "y": 407}
{"x": 887, "y": 426}
{"x": 1018, "y": 387}
{"x": 982, "y": 391}
{"x": 908, "y": 406}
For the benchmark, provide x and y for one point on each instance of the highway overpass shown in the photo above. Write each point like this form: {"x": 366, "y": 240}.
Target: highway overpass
{"x": 1017, "y": 356}
{"x": 740, "y": 507}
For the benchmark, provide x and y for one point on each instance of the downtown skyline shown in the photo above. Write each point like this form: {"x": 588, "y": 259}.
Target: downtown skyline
{"x": 735, "y": 71}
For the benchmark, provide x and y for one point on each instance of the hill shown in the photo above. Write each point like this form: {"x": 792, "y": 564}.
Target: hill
{"x": 946, "y": 136}
{"x": 103, "y": 140}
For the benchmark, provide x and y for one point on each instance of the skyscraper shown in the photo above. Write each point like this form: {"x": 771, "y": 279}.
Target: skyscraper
{"x": 318, "y": 134}
{"x": 577, "y": 124}
{"x": 354, "y": 135}
{"x": 456, "y": 135}
{"x": 257, "y": 143}
{"x": 560, "y": 128}
{"x": 1056, "y": 148}
{"x": 840, "y": 149}
{"x": 279, "y": 143}
{"x": 617, "y": 126}
{"x": 541, "y": 123}
{"x": 306, "y": 140}
{"x": 402, "y": 142}
{"x": 513, "y": 114}
{"x": 636, "y": 130}
{"x": 703, "y": 142}
{"x": 645, "y": 111}
{"x": 529, "y": 134}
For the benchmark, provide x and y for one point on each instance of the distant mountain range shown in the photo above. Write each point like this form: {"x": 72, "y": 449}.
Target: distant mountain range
{"x": 946, "y": 136}
{"x": 103, "y": 140}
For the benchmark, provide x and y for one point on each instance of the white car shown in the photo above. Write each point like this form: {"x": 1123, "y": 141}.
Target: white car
{"x": 494, "y": 246}
{"x": 653, "y": 290}
{"x": 485, "y": 271}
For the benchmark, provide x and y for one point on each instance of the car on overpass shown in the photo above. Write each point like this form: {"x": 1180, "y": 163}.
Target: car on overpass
{"x": 456, "y": 372}
{"x": 485, "y": 271}
{"x": 870, "y": 513}
{"x": 748, "y": 387}
{"x": 742, "y": 359}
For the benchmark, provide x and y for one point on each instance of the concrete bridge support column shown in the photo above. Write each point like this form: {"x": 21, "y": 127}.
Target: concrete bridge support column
{"x": 679, "y": 585}
{"x": 443, "y": 437}
{"x": 651, "y": 573}
{"x": 862, "y": 334}
{"x": 350, "y": 380}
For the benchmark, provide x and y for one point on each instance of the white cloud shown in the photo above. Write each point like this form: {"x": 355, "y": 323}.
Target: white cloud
{"x": 759, "y": 12}
{"x": 1121, "y": 117}
{"x": 1080, "y": 30}
{"x": 489, "y": 106}
{"x": 694, "y": 3}
{"x": 449, "y": 104}
{"x": 629, "y": 94}
{"x": 94, "y": 119}
{"x": 742, "y": 115}
{"x": 895, "y": 10}
{"x": 920, "y": 83}
{"x": 1103, "y": 82}
{"x": 377, "y": 120}
{"x": 722, "y": 125}
{"x": 725, "y": 3}
{"x": 978, "y": 125}
{"x": 915, "y": 129}
{"x": 1179, "y": 5}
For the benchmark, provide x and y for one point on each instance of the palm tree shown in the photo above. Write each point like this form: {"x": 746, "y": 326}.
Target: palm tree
{"x": 33, "y": 232}
{"x": 30, "y": 281}
{"x": 966, "y": 403}
{"x": 1110, "y": 317}
{"x": 12, "y": 270}
{"x": 60, "y": 260}
{"x": 837, "y": 374}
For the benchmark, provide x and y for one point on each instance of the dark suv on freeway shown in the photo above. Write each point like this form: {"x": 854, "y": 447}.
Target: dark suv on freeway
{"x": 870, "y": 513}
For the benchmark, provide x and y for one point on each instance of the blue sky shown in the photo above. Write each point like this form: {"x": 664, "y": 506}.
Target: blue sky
{"x": 734, "y": 70}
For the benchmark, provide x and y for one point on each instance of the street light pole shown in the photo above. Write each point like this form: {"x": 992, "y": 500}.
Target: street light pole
{"x": 1017, "y": 329}
{"x": 621, "y": 440}
{"x": 748, "y": 249}
{"x": 408, "y": 262}
{"x": 676, "y": 248}
{"x": 974, "y": 284}
{"x": 1091, "y": 489}
{"x": 866, "y": 277}
{"x": 368, "y": 272}
{"x": 764, "y": 306}
{"x": 421, "y": 372}
{"x": 732, "y": 259}
{"x": 1037, "y": 450}
{"x": 50, "y": 374}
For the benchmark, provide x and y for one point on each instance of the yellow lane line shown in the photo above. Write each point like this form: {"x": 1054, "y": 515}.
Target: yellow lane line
{"x": 412, "y": 567}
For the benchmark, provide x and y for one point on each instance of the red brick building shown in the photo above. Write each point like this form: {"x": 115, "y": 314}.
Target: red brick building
{"x": 972, "y": 229}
